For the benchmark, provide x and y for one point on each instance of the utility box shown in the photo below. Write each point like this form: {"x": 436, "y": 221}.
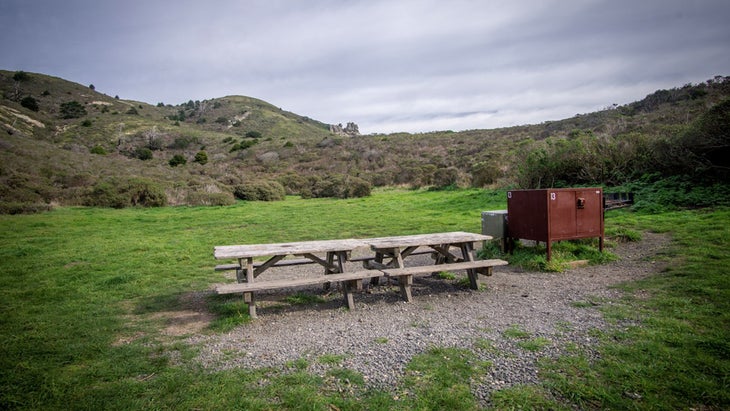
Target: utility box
{"x": 555, "y": 214}
{"x": 494, "y": 224}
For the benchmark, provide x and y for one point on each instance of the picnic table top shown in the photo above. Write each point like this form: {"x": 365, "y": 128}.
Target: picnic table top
{"x": 293, "y": 248}
{"x": 425, "y": 239}
{"x": 325, "y": 246}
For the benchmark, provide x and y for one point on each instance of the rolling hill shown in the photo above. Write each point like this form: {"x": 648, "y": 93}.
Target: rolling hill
{"x": 64, "y": 143}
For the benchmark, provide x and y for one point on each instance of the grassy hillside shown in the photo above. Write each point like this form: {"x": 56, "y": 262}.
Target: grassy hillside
{"x": 64, "y": 143}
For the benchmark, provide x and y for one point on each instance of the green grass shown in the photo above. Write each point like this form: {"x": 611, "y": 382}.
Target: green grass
{"x": 563, "y": 253}
{"x": 81, "y": 291}
{"x": 674, "y": 354}
{"x": 515, "y": 332}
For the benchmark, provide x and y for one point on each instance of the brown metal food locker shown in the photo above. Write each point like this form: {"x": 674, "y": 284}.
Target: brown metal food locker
{"x": 555, "y": 214}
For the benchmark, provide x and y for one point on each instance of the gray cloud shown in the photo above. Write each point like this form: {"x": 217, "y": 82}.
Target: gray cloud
{"x": 388, "y": 65}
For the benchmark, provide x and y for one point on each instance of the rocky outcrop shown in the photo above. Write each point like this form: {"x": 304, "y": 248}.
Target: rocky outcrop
{"x": 350, "y": 130}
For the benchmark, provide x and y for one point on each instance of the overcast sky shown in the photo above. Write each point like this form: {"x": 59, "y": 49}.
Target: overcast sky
{"x": 387, "y": 65}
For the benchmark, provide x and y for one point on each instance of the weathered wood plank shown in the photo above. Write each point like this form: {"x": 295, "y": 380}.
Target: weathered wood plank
{"x": 282, "y": 263}
{"x": 294, "y": 248}
{"x": 274, "y": 284}
{"x": 424, "y": 269}
{"x": 425, "y": 240}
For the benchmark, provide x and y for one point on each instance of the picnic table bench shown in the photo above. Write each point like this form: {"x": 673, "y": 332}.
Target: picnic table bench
{"x": 332, "y": 255}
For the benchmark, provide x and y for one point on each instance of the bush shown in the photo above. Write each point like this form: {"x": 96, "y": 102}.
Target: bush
{"x": 201, "y": 158}
{"x": 702, "y": 149}
{"x": 119, "y": 194}
{"x": 294, "y": 183}
{"x": 260, "y": 191}
{"x": 177, "y": 160}
{"x": 210, "y": 199}
{"x": 106, "y": 194}
{"x": 445, "y": 177}
{"x": 30, "y": 103}
{"x": 98, "y": 149}
{"x": 23, "y": 208}
{"x": 21, "y": 76}
{"x": 485, "y": 173}
{"x": 253, "y": 134}
{"x": 145, "y": 193}
{"x": 183, "y": 142}
{"x": 244, "y": 144}
{"x": 143, "y": 153}
{"x": 337, "y": 186}
{"x": 72, "y": 109}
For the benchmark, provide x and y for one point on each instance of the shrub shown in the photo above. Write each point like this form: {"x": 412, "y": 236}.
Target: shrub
{"x": 86, "y": 123}
{"x": 23, "y": 208}
{"x": 445, "y": 177}
{"x": 253, "y": 134}
{"x": 72, "y": 109}
{"x": 337, "y": 186}
{"x": 244, "y": 144}
{"x": 294, "y": 183}
{"x": 132, "y": 111}
{"x": 145, "y": 193}
{"x": 210, "y": 199}
{"x": 119, "y": 194}
{"x": 260, "y": 191}
{"x": 106, "y": 194}
{"x": 177, "y": 160}
{"x": 183, "y": 142}
{"x": 21, "y": 76}
{"x": 98, "y": 149}
{"x": 30, "y": 103}
{"x": 155, "y": 144}
{"x": 485, "y": 173}
{"x": 143, "y": 153}
{"x": 201, "y": 158}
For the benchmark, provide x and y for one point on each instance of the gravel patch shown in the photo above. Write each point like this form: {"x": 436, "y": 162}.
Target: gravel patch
{"x": 381, "y": 336}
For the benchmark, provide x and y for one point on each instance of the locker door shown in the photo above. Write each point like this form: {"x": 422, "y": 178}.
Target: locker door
{"x": 589, "y": 216}
{"x": 562, "y": 213}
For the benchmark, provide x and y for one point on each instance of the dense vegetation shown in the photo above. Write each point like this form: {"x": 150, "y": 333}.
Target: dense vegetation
{"x": 62, "y": 141}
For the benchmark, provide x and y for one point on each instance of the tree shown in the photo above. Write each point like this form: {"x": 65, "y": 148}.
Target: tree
{"x": 91, "y": 86}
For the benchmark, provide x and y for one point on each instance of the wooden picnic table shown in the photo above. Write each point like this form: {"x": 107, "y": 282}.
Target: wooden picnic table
{"x": 333, "y": 254}
{"x": 399, "y": 247}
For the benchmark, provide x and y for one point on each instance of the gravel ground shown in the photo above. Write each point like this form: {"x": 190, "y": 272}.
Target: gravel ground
{"x": 382, "y": 335}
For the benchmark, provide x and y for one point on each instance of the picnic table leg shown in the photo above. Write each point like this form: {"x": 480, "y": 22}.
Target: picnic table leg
{"x": 404, "y": 281}
{"x": 379, "y": 261}
{"x": 466, "y": 253}
{"x": 246, "y": 271}
{"x": 249, "y": 299}
{"x": 347, "y": 290}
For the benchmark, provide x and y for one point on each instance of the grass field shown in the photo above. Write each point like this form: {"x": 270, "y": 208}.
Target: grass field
{"x": 73, "y": 279}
